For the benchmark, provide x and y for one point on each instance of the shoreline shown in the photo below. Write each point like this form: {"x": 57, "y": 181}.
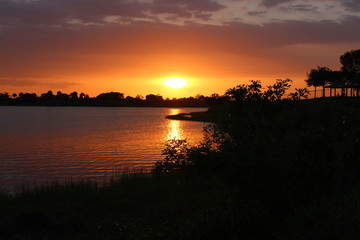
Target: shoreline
{"x": 193, "y": 116}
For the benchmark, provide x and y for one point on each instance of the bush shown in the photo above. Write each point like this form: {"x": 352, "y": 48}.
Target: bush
{"x": 176, "y": 156}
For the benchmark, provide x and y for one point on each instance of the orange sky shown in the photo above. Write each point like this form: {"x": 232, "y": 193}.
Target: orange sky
{"x": 133, "y": 46}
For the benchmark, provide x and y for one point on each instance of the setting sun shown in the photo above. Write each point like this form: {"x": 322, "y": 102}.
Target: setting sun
{"x": 175, "y": 83}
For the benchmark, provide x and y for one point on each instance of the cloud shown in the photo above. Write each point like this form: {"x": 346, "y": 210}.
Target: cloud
{"x": 351, "y": 5}
{"x": 295, "y": 32}
{"x": 53, "y": 12}
{"x": 48, "y": 47}
{"x": 256, "y": 13}
{"x": 301, "y": 8}
{"x": 273, "y": 3}
{"x": 191, "y": 5}
{"x": 17, "y": 82}
{"x": 58, "y": 13}
{"x": 54, "y": 83}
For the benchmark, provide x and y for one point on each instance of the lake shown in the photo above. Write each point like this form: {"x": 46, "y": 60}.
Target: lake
{"x": 42, "y": 144}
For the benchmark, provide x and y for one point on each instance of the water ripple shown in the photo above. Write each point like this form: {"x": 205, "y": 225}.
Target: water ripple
{"x": 83, "y": 143}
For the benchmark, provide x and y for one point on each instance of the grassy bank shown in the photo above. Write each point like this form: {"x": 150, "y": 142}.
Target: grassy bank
{"x": 266, "y": 170}
{"x": 133, "y": 207}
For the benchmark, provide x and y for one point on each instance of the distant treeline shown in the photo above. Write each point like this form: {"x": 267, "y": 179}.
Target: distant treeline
{"x": 110, "y": 99}
{"x": 254, "y": 92}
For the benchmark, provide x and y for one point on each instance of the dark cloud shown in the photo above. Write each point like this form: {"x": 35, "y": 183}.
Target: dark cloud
{"x": 256, "y": 13}
{"x": 20, "y": 46}
{"x": 299, "y": 32}
{"x": 93, "y": 11}
{"x": 198, "y": 5}
{"x": 273, "y": 3}
{"x": 186, "y": 8}
{"x": 300, "y": 8}
{"x": 56, "y": 12}
{"x": 351, "y": 5}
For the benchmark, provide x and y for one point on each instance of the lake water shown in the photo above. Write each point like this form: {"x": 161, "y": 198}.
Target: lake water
{"x": 42, "y": 144}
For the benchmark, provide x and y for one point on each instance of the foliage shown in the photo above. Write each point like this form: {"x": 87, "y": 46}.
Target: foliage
{"x": 176, "y": 156}
{"x": 4, "y": 96}
{"x": 110, "y": 96}
{"x": 253, "y": 92}
{"x": 350, "y": 61}
{"x": 320, "y": 76}
{"x": 300, "y": 93}
{"x": 351, "y": 66}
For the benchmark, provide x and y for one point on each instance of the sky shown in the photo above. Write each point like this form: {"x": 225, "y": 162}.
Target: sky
{"x": 133, "y": 46}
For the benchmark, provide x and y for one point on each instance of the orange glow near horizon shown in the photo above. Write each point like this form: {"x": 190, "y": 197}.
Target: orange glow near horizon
{"x": 144, "y": 75}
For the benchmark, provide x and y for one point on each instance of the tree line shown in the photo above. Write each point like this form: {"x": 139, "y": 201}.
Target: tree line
{"x": 115, "y": 99}
{"x": 347, "y": 77}
{"x": 247, "y": 92}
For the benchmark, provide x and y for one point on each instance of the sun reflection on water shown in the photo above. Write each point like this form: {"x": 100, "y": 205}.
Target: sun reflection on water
{"x": 174, "y": 126}
{"x": 174, "y": 130}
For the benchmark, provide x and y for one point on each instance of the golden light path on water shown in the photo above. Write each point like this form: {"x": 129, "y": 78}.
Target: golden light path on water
{"x": 174, "y": 127}
{"x": 174, "y": 130}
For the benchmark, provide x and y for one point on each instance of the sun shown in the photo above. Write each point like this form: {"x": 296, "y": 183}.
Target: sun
{"x": 175, "y": 83}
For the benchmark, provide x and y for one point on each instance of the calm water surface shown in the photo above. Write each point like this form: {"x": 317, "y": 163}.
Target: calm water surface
{"x": 41, "y": 144}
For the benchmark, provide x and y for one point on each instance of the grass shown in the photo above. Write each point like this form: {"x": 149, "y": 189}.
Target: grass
{"x": 138, "y": 206}
{"x": 133, "y": 207}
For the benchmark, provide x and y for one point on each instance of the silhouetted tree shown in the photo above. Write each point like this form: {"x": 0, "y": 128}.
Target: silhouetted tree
{"x": 28, "y": 97}
{"x": 4, "y": 96}
{"x": 111, "y": 96}
{"x": 131, "y": 101}
{"x": 154, "y": 98}
{"x": 139, "y": 97}
{"x": 253, "y": 92}
{"x": 319, "y": 77}
{"x": 47, "y": 96}
{"x": 351, "y": 65}
{"x": 276, "y": 91}
{"x": 300, "y": 93}
{"x": 245, "y": 92}
{"x": 62, "y": 97}
{"x": 74, "y": 96}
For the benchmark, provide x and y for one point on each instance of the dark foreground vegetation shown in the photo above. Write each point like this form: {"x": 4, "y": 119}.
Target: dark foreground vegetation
{"x": 269, "y": 169}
